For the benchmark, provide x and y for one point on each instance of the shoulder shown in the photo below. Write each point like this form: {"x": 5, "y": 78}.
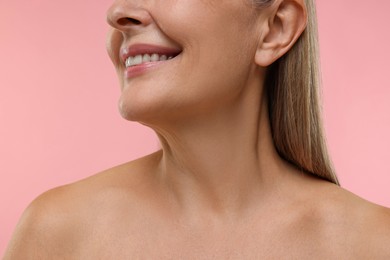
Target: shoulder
{"x": 63, "y": 216}
{"x": 42, "y": 227}
{"x": 371, "y": 228}
{"x": 358, "y": 226}
{"x": 377, "y": 232}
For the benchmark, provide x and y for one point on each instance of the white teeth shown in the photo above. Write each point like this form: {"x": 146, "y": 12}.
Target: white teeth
{"x": 155, "y": 57}
{"x": 146, "y": 58}
{"x": 139, "y": 59}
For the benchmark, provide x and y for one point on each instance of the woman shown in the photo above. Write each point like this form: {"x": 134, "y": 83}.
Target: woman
{"x": 230, "y": 88}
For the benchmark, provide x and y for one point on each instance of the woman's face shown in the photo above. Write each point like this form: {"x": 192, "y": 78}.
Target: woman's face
{"x": 213, "y": 44}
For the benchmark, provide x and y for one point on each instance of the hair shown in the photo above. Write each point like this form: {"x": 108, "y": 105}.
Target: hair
{"x": 293, "y": 86}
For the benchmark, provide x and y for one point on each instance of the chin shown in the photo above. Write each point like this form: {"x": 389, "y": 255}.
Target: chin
{"x": 133, "y": 110}
{"x": 144, "y": 109}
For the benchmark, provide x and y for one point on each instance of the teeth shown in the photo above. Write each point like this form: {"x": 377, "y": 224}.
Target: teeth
{"x": 155, "y": 57}
{"x": 146, "y": 58}
{"x": 139, "y": 59}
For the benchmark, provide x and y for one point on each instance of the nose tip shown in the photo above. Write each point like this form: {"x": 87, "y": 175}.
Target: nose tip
{"x": 124, "y": 15}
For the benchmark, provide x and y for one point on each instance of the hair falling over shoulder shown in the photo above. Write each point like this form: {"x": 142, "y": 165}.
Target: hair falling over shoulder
{"x": 293, "y": 88}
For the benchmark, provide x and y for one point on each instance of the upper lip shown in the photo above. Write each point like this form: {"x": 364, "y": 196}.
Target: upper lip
{"x": 139, "y": 49}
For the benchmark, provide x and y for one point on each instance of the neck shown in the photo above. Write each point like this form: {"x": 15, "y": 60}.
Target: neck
{"x": 224, "y": 163}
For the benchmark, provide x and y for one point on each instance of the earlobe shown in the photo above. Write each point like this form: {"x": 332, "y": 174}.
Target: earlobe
{"x": 281, "y": 30}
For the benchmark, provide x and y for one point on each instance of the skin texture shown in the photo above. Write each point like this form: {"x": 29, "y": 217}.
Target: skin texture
{"x": 217, "y": 188}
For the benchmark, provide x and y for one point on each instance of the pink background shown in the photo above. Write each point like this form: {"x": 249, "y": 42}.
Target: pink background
{"x": 58, "y": 99}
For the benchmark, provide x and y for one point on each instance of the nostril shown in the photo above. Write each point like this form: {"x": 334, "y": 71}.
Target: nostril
{"x": 127, "y": 21}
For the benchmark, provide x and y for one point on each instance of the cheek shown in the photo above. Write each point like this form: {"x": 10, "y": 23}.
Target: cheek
{"x": 113, "y": 43}
{"x": 220, "y": 66}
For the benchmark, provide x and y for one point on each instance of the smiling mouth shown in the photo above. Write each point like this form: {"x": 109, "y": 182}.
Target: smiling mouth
{"x": 139, "y": 59}
{"x": 138, "y": 54}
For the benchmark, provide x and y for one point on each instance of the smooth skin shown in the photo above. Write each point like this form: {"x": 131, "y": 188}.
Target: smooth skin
{"x": 217, "y": 189}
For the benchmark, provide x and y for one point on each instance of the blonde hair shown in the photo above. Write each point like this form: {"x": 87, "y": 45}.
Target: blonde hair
{"x": 293, "y": 85}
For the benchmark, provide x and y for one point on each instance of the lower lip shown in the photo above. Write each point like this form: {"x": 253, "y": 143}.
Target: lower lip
{"x": 137, "y": 70}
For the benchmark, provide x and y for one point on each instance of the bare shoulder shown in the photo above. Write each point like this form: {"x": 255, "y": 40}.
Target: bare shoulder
{"x": 372, "y": 227}
{"x": 361, "y": 227}
{"x": 59, "y": 220}
{"x": 41, "y": 226}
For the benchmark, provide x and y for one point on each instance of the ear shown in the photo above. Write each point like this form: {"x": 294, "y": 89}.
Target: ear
{"x": 281, "y": 30}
